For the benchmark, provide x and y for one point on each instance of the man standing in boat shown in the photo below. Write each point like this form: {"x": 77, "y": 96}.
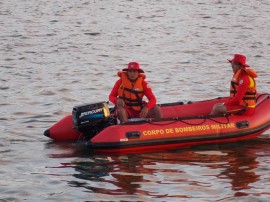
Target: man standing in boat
{"x": 128, "y": 92}
{"x": 242, "y": 98}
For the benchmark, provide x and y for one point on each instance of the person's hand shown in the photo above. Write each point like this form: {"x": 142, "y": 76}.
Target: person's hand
{"x": 144, "y": 112}
{"x": 120, "y": 103}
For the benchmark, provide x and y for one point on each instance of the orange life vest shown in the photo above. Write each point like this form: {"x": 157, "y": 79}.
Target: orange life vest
{"x": 131, "y": 93}
{"x": 249, "y": 99}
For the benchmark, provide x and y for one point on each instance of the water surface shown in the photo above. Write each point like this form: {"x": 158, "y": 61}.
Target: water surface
{"x": 57, "y": 54}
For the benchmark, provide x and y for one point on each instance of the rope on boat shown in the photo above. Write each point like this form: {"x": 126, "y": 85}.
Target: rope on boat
{"x": 181, "y": 119}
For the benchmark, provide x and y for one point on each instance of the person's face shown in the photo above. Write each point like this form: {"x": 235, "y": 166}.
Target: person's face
{"x": 236, "y": 66}
{"x": 133, "y": 74}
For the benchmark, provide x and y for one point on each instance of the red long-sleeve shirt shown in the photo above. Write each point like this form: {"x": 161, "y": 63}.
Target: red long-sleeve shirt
{"x": 146, "y": 90}
{"x": 244, "y": 82}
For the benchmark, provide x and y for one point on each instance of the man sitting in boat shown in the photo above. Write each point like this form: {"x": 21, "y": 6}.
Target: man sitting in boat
{"x": 242, "y": 91}
{"x": 128, "y": 92}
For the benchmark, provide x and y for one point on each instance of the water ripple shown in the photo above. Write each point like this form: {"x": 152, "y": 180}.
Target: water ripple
{"x": 57, "y": 54}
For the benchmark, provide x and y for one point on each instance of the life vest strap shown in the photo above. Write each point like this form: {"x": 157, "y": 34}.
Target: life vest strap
{"x": 128, "y": 99}
{"x": 133, "y": 91}
{"x": 251, "y": 93}
{"x": 249, "y": 98}
{"x": 132, "y": 102}
{"x": 139, "y": 100}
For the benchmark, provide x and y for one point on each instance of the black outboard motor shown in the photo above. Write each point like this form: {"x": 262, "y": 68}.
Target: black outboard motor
{"x": 91, "y": 118}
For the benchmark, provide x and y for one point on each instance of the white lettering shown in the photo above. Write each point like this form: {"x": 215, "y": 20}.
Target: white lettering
{"x": 94, "y": 111}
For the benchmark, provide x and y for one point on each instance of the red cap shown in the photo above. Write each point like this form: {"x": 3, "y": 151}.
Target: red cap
{"x": 133, "y": 66}
{"x": 240, "y": 59}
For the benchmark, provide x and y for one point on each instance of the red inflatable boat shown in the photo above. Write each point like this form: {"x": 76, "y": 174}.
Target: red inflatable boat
{"x": 184, "y": 124}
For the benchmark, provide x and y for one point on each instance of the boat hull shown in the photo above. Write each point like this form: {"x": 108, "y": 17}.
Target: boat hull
{"x": 183, "y": 125}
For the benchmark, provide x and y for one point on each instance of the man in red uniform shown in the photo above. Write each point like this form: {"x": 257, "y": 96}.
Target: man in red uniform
{"x": 242, "y": 91}
{"x": 128, "y": 92}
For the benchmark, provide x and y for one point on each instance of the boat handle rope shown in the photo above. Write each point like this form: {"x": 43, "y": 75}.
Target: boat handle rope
{"x": 204, "y": 118}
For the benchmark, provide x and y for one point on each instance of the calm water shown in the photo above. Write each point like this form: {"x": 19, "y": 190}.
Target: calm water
{"x": 57, "y": 54}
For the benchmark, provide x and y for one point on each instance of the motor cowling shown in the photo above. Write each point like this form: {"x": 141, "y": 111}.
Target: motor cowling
{"x": 87, "y": 116}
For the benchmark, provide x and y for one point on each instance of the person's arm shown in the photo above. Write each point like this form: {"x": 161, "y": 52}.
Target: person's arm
{"x": 114, "y": 93}
{"x": 242, "y": 88}
{"x": 150, "y": 95}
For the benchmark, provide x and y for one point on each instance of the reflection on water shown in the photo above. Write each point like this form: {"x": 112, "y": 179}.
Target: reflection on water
{"x": 221, "y": 171}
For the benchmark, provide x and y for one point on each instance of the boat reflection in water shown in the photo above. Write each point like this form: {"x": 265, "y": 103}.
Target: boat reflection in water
{"x": 197, "y": 172}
